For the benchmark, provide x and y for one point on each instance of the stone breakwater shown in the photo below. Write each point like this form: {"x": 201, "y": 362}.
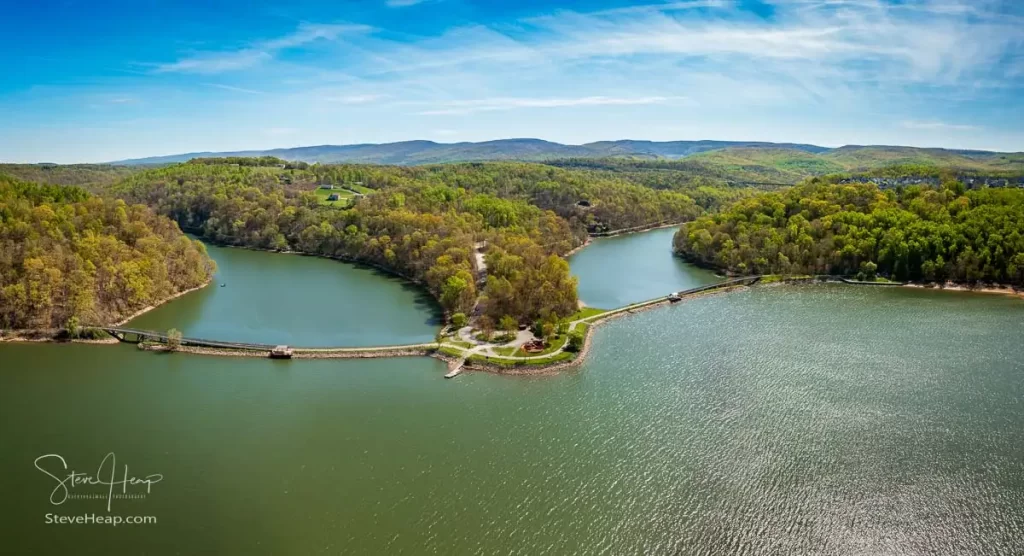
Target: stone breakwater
{"x": 300, "y": 353}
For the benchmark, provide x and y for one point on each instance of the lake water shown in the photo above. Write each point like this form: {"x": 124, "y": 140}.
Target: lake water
{"x": 274, "y": 298}
{"x": 778, "y": 420}
{"x": 620, "y": 270}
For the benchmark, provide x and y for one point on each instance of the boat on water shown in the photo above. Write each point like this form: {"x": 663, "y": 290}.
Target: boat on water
{"x": 281, "y": 352}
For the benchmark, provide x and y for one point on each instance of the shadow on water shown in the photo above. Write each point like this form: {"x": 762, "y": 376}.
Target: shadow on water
{"x": 422, "y": 299}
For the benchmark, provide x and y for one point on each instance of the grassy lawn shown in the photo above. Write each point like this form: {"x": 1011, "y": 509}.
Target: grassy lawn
{"x": 564, "y": 356}
{"x": 496, "y": 339}
{"x": 450, "y": 351}
{"x": 344, "y": 197}
{"x": 504, "y": 351}
{"x": 554, "y": 345}
{"x": 359, "y": 189}
{"x": 459, "y": 343}
{"x": 583, "y": 313}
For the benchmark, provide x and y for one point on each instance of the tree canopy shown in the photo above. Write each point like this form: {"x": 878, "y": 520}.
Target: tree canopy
{"x": 68, "y": 256}
{"x": 913, "y": 233}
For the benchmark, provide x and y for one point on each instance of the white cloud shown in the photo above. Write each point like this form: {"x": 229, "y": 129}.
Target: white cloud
{"x": 491, "y": 104}
{"x": 216, "y": 62}
{"x": 219, "y": 62}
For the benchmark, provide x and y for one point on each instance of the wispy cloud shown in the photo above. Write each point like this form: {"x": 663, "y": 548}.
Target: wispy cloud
{"x": 490, "y": 104}
{"x": 936, "y": 126}
{"x": 236, "y": 89}
{"x": 219, "y": 62}
{"x": 353, "y": 99}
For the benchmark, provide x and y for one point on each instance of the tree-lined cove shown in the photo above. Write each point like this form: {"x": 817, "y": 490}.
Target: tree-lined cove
{"x": 487, "y": 240}
{"x": 272, "y": 298}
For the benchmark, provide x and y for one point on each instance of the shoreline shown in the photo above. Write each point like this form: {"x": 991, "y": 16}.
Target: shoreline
{"x": 149, "y": 308}
{"x": 615, "y": 233}
{"x": 578, "y": 248}
{"x": 51, "y": 334}
{"x": 954, "y": 287}
{"x": 635, "y": 230}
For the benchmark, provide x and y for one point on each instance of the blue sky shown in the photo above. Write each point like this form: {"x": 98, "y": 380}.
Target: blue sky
{"x": 99, "y": 81}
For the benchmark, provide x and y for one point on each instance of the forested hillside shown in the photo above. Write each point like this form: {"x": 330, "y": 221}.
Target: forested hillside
{"x": 916, "y": 233}
{"x": 429, "y": 152}
{"x": 613, "y": 202}
{"x": 426, "y": 231}
{"x": 687, "y": 163}
{"x": 67, "y": 256}
{"x": 88, "y": 176}
{"x": 771, "y": 167}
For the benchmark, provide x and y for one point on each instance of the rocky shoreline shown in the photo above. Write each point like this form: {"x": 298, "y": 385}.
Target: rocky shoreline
{"x": 300, "y": 353}
{"x": 54, "y": 334}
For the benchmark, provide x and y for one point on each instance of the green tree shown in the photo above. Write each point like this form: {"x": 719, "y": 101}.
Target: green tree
{"x": 459, "y": 320}
{"x": 486, "y": 326}
{"x": 174, "y": 339}
{"x": 576, "y": 339}
{"x": 72, "y": 327}
{"x": 508, "y": 324}
{"x": 869, "y": 270}
{"x": 547, "y": 330}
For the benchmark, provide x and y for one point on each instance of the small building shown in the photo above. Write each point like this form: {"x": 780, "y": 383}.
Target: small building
{"x": 281, "y": 352}
{"x": 333, "y": 197}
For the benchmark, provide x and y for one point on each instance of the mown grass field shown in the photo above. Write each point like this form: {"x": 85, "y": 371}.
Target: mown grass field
{"x": 345, "y": 194}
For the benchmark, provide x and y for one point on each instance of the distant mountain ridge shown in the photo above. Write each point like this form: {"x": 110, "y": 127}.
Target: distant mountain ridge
{"x": 428, "y": 152}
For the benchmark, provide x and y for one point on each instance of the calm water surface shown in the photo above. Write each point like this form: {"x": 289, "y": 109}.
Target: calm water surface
{"x": 275, "y": 298}
{"x": 617, "y": 271}
{"x": 780, "y": 420}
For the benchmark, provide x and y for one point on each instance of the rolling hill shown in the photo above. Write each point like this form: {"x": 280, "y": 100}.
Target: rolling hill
{"x": 429, "y": 152}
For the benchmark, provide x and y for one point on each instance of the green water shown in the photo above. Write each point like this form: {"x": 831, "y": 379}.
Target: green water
{"x": 617, "y": 271}
{"x": 274, "y": 298}
{"x": 780, "y": 420}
